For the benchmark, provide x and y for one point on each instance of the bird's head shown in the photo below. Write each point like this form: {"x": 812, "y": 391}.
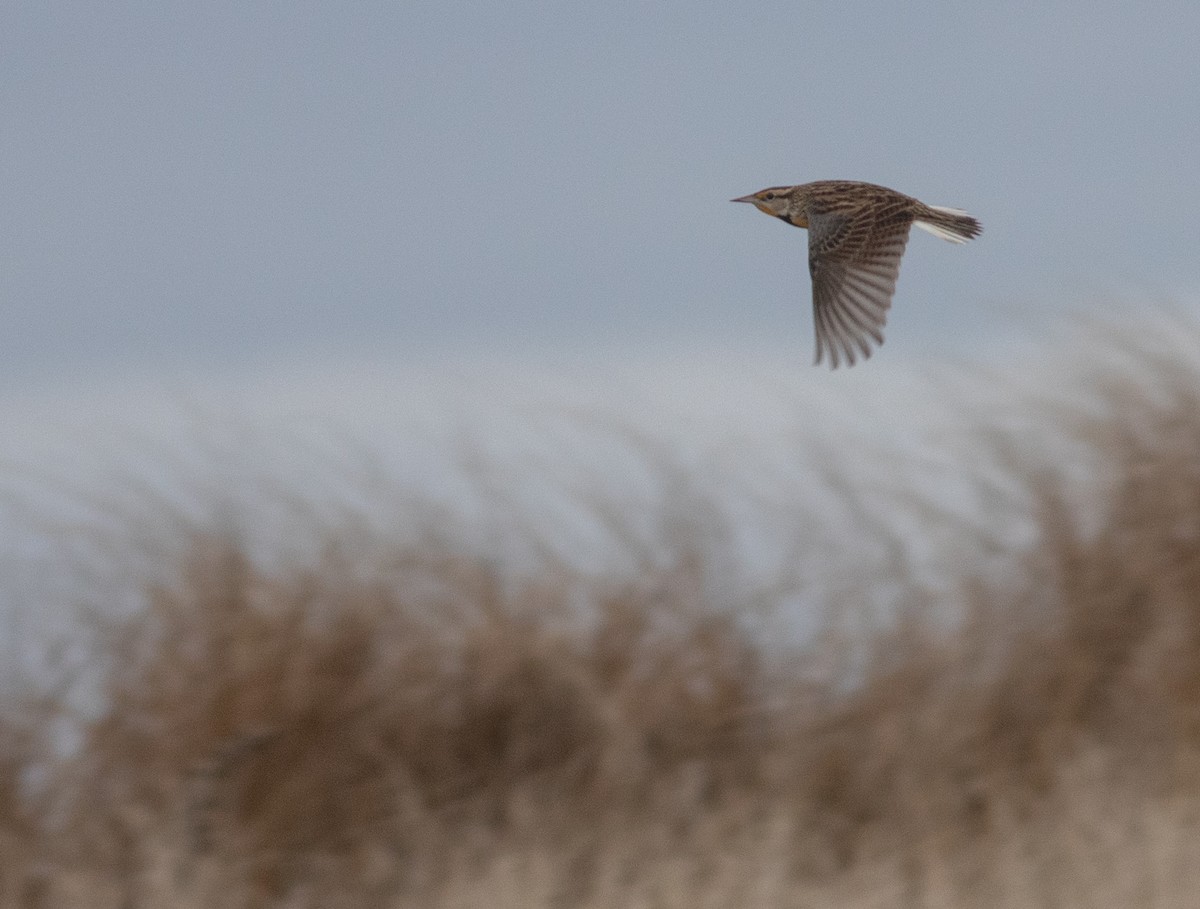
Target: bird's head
{"x": 775, "y": 201}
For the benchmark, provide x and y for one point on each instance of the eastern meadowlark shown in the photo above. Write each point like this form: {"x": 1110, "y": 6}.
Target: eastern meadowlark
{"x": 856, "y": 236}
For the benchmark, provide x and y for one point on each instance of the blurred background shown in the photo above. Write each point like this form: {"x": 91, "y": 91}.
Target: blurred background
{"x": 192, "y": 190}
{"x": 414, "y": 488}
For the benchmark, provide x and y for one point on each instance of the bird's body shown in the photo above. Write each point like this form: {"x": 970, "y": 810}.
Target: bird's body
{"x": 856, "y": 235}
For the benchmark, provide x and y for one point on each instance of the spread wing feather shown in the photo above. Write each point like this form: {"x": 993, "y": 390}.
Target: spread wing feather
{"x": 854, "y": 264}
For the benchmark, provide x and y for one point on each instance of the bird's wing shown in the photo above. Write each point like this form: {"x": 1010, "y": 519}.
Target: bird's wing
{"x": 854, "y": 263}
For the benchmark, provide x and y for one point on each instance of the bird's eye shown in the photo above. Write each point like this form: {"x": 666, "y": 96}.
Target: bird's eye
{"x": 769, "y": 196}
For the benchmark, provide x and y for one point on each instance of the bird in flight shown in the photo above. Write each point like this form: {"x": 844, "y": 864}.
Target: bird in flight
{"x": 856, "y": 236}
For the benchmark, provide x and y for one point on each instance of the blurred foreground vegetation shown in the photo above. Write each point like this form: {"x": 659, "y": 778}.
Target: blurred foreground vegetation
{"x": 433, "y": 734}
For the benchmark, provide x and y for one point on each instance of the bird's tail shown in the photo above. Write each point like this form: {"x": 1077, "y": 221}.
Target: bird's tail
{"x": 948, "y": 223}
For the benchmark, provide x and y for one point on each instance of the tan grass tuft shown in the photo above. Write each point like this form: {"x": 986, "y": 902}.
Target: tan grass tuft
{"x": 434, "y": 734}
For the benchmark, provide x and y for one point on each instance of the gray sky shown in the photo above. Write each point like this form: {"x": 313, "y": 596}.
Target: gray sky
{"x": 221, "y": 186}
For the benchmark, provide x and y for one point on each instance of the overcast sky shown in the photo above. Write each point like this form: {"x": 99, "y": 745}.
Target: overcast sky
{"x": 192, "y": 187}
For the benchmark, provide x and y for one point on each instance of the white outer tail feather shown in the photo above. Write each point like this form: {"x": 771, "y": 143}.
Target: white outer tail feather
{"x": 944, "y": 232}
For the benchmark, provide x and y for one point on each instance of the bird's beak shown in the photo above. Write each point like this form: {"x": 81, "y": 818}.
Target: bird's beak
{"x": 750, "y": 199}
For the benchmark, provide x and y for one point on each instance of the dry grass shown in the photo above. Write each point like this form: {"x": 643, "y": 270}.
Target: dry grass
{"x": 433, "y": 735}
